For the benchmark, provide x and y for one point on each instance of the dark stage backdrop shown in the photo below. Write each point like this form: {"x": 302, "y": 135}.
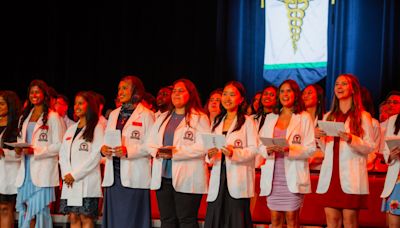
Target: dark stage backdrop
{"x": 73, "y": 47}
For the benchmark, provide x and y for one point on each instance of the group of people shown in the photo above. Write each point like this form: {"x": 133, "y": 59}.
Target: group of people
{"x": 165, "y": 151}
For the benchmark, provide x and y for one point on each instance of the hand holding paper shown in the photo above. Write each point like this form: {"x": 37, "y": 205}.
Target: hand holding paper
{"x": 112, "y": 140}
{"x": 165, "y": 152}
{"x": 331, "y": 128}
{"x": 279, "y": 145}
{"x": 213, "y": 141}
{"x": 393, "y": 142}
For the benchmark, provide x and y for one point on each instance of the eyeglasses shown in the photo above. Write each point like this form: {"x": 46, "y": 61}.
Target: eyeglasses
{"x": 395, "y": 102}
{"x": 178, "y": 91}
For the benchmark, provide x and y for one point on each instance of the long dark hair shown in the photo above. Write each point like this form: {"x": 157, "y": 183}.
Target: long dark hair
{"x": 356, "y": 109}
{"x": 14, "y": 110}
{"x": 319, "y": 113}
{"x": 92, "y": 114}
{"x": 298, "y": 105}
{"x": 260, "y": 112}
{"x": 46, "y": 102}
{"x": 137, "y": 88}
{"x": 397, "y": 125}
{"x": 193, "y": 102}
{"x": 241, "y": 109}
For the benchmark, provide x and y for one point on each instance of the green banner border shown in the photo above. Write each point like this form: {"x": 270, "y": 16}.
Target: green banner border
{"x": 294, "y": 65}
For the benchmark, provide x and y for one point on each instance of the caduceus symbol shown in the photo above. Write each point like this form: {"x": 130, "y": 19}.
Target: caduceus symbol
{"x": 295, "y": 12}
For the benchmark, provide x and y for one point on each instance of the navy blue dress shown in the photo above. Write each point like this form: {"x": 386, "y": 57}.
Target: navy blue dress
{"x": 125, "y": 207}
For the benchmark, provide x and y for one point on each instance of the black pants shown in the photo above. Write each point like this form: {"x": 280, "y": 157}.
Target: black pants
{"x": 177, "y": 210}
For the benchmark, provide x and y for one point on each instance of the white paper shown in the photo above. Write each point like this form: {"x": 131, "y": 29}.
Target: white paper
{"x": 331, "y": 128}
{"x": 112, "y": 138}
{"x": 274, "y": 141}
{"x": 392, "y": 142}
{"x": 74, "y": 194}
{"x": 213, "y": 140}
{"x": 18, "y": 144}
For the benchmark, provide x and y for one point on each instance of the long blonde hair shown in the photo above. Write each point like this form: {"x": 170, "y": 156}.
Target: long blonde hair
{"x": 356, "y": 109}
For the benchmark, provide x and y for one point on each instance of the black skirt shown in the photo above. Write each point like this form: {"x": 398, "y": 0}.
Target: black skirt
{"x": 8, "y": 198}
{"x": 90, "y": 207}
{"x": 227, "y": 212}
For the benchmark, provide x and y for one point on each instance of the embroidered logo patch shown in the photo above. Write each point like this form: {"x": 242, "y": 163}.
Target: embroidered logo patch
{"x": 43, "y": 137}
{"x": 139, "y": 124}
{"x": 296, "y": 139}
{"x": 135, "y": 134}
{"x": 238, "y": 144}
{"x": 83, "y": 147}
{"x": 188, "y": 135}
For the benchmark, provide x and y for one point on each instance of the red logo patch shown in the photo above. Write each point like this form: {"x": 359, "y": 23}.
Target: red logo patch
{"x": 68, "y": 138}
{"x": 44, "y": 127}
{"x": 137, "y": 123}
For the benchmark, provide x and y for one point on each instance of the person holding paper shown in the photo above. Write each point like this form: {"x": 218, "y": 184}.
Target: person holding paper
{"x": 127, "y": 172}
{"x": 38, "y": 173}
{"x": 233, "y": 173}
{"x": 180, "y": 174}
{"x": 391, "y": 190}
{"x": 314, "y": 101}
{"x": 267, "y": 105}
{"x": 9, "y": 163}
{"x": 79, "y": 163}
{"x": 343, "y": 180}
{"x": 285, "y": 176}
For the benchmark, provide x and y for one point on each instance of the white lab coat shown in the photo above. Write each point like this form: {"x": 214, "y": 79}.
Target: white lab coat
{"x": 240, "y": 170}
{"x": 189, "y": 170}
{"x": 352, "y": 159}
{"x": 394, "y": 166}
{"x": 9, "y": 166}
{"x": 301, "y": 140}
{"x": 136, "y": 168}
{"x": 46, "y": 143}
{"x": 82, "y": 160}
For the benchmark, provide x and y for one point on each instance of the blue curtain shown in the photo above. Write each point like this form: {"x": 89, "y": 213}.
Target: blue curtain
{"x": 240, "y": 43}
{"x": 363, "y": 39}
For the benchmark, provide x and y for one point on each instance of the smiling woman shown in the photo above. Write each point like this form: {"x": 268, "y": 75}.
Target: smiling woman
{"x": 127, "y": 172}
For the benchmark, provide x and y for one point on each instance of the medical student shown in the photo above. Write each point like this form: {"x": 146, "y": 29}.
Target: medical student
{"x": 38, "y": 174}
{"x": 180, "y": 173}
{"x": 127, "y": 172}
{"x": 233, "y": 173}
{"x": 343, "y": 179}
{"x": 10, "y": 108}
{"x": 391, "y": 190}
{"x": 79, "y": 163}
{"x": 285, "y": 176}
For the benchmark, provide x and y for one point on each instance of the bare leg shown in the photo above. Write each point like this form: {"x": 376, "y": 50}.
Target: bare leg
{"x": 87, "y": 222}
{"x": 333, "y": 217}
{"x": 292, "y": 219}
{"x": 277, "y": 219}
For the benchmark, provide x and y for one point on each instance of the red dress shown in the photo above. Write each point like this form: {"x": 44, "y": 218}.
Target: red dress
{"x": 335, "y": 197}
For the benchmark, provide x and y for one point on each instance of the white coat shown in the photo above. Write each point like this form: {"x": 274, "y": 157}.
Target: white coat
{"x": 352, "y": 159}
{"x": 240, "y": 171}
{"x": 259, "y": 160}
{"x": 9, "y": 165}
{"x": 135, "y": 170}
{"x": 394, "y": 166}
{"x": 189, "y": 170}
{"x": 301, "y": 140}
{"x": 82, "y": 160}
{"x": 46, "y": 143}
